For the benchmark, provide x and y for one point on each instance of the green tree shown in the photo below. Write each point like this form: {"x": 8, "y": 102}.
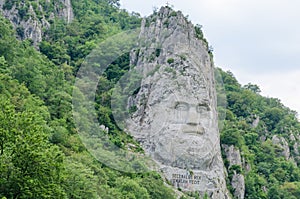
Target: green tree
{"x": 272, "y": 116}
{"x": 130, "y": 189}
{"x": 30, "y": 167}
{"x": 252, "y": 87}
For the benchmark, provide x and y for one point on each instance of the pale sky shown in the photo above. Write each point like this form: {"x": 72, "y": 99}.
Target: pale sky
{"x": 258, "y": 40}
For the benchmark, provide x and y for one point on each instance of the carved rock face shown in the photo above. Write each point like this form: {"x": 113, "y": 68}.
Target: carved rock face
{"x": 182, "y": 129}
{"x": 178, "y": 127}
{"x": 176, "y": 118}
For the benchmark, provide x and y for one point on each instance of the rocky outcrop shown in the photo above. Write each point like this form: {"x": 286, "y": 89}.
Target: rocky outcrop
{"x": 30, "y": 19}
{"x": 26, "y": 28}
{"x": 238, "y": 184}
{"x": 255, "y": 122}
{"x": 67, "y": 11}
{"x": 104, "y": 128}
{"x": 175, "y": 117}
{"x": 235, "y": 170}
{"x": 283, "y": 145}
{"x": 295, "y": 141}
{"x": 232, "y": 155}
{"x": 295, "y": 148}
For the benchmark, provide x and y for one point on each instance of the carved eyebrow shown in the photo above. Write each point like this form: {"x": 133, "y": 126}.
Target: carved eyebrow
{"x": 181, "y": 103}
{"x": 206, "y": 105}
{"x": 186, "y": 105}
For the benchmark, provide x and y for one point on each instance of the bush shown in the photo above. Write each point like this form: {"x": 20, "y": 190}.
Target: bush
{"x": 173, "y": 14}
{"x": 170, "y": 60}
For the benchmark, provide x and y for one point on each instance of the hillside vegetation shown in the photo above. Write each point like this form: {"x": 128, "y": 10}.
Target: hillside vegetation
{"x": 252, "y": 124}
{"x": 41, "y": 155}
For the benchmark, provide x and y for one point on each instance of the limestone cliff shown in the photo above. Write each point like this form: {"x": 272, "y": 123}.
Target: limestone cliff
{"x": 31, "y": 18}
{"x": 283, "y": 146}
{"x": 288, "y": 147}
{"x": 175, "y": 118}
{"x": 235, "y": 166}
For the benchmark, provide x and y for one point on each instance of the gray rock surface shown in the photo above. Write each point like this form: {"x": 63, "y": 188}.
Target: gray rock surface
{"x": 67, "y": 11}
{"x": 255, "y": 122}
{"x": 238, "y": 184}
{"x": 232, "y": 155}
{"x": 32, "y": 26}
{"x": 296, "y": 148}
{"x": 238, "y": 181}
{"x": 176, "y": 118}
{"x": 295, "y": 145}
{"x": 282, "y": 143}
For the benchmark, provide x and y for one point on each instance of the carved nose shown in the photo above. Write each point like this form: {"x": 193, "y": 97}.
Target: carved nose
{"x": 192, "y": 118}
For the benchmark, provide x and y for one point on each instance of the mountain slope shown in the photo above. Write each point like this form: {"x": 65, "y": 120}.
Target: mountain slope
{"x": 49, "y": 83}
{"x": 260, "y": 136}
{"x": 260, "y": 142}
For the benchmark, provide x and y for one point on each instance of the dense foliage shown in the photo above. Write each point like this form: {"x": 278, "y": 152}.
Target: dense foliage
{"x": 41, "y": 155}
{"x": 252, "y": 122}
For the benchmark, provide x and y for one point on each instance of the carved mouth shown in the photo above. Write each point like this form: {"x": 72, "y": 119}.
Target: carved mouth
{"x": 193, "y": 130}
{"x": 199, "y": 152}
{"x": 196, "y": 152}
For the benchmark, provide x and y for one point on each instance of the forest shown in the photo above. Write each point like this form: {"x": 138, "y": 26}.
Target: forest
{"x": 41, "y": 154}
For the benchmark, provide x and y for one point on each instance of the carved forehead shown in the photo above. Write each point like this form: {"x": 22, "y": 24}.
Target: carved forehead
{"x": 181, "y": 89}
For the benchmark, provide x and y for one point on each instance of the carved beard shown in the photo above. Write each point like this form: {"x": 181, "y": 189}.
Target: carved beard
{"x": 173, "y": 147}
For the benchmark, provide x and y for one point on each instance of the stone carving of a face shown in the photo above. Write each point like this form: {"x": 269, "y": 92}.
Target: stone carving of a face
{"x": 181, "y": 126}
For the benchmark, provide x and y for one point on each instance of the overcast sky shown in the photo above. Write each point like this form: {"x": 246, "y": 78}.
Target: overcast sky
{"x": 258, "y": 40}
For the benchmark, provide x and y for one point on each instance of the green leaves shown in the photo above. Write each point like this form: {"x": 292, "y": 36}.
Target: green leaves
{"x": 251, "y": 122}
{"x": 30, "y": 167}
{"x": 35, "y": 107}
{"x": 7, "y": 39}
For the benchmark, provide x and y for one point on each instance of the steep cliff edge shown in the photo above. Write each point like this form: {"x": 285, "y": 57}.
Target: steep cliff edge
{"x": 175, "y": 118}
{"x": 31, "y": 18}
{"x": 237, "y": 179}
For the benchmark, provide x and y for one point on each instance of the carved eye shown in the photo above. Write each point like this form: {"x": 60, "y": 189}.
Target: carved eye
{"x": 181, "y": 106}
{"x": 202, "y": 108}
